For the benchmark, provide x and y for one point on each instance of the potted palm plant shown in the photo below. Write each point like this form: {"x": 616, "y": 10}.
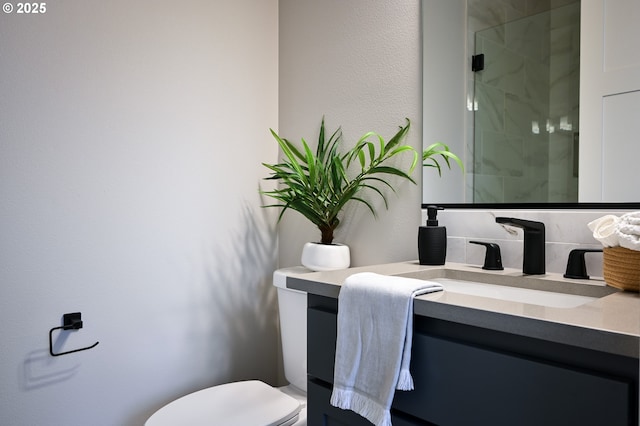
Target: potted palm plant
{"x": 319, "y": 184}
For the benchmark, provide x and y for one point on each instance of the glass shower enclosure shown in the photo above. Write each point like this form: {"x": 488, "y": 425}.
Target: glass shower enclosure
{"x": 526, "y": 109}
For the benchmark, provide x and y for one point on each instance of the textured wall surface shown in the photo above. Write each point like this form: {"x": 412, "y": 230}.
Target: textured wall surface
{"x": 359, "y": 64}
{"x": 131, "y": 137}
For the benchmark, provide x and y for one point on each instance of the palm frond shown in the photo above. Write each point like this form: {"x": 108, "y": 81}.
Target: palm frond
{"x": 319, "y": 185}
{"x": 442, "y": 150}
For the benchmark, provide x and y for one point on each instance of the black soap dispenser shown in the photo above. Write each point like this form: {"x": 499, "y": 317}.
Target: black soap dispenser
{"x": 432, "y": 239}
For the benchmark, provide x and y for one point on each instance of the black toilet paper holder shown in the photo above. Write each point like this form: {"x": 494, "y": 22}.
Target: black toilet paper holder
{"x": 71, "y": 321}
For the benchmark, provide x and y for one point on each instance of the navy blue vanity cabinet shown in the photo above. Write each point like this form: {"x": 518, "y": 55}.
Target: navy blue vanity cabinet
{"x": 467, "y": 375}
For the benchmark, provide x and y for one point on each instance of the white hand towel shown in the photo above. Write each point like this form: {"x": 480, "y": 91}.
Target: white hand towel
{"x": 632, "y": 218}
{"x": 604, "y": 230}
{"x": 373, "y": 347}
{"x": 628, "y": 231}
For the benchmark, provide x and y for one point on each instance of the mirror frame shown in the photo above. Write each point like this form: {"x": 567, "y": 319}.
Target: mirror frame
{"x": 538, "y": 206}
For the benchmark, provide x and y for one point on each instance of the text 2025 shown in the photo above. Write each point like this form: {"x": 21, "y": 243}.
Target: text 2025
{"x": 31, "y": 8}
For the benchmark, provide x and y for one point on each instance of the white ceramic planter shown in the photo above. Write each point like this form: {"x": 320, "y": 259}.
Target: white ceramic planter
{"x": 326, "y": 257}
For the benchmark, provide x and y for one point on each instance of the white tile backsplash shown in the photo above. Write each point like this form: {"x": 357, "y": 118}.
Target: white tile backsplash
{"x": 565, "y": 230}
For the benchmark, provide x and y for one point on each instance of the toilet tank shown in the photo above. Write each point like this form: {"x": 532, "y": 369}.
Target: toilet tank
{"x": 292, "y": 307}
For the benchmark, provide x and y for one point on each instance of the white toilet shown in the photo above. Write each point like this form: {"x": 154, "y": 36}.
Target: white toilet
{"x": 254, "y": 403}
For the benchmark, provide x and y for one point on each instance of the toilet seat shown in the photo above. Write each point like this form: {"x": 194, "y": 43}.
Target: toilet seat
{"x": 247, "y": 403}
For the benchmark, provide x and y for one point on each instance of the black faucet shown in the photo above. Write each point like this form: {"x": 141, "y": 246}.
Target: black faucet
{"x": 533, "y": 262}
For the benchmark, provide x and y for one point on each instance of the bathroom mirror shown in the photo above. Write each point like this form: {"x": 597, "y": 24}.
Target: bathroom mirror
{"x": 512, "y": 114}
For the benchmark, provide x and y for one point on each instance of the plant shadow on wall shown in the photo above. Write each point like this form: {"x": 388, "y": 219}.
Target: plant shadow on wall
{"x": 239, "y": 316}
{"x": 321, "y": 185}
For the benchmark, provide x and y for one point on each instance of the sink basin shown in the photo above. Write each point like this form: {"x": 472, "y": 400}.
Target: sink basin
{"x": 542, "y": 290}
{"x": 514, "y": 294}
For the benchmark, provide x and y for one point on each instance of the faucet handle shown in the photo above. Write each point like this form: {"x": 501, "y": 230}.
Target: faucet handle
{"x": 492, "y": 258}
{"x": 576, "y": 267}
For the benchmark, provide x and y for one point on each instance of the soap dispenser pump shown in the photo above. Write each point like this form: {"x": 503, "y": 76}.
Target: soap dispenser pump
{"x": 432, "y": 239}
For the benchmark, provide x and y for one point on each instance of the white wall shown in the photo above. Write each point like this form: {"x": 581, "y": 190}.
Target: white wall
{"x": 131, "y": 137}
{"x": 358, "y": 63}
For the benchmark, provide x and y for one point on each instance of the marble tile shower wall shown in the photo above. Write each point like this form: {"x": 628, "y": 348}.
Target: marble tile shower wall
{"x": 565, "y": 230}
{"x": 524, "y": 115}
{"x": 564, "y": 103}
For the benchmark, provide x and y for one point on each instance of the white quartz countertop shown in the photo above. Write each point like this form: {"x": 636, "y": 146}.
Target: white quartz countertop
{"x": 610, "y": 323}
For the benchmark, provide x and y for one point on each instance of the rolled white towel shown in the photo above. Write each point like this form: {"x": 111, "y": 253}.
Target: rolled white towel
{"x": 632, "y": 218}
{"x": 604, "y": 230}
{"x": 628, "y": 231}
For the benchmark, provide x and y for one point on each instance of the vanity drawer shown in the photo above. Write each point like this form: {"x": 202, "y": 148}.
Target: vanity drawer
{"x": 499, "y": 388}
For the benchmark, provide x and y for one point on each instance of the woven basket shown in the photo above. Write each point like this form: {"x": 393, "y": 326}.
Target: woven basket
{"x": 621, "y": 268}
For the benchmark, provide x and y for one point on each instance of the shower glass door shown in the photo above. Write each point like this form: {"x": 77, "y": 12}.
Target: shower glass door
{"x": 526, "y": 109}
